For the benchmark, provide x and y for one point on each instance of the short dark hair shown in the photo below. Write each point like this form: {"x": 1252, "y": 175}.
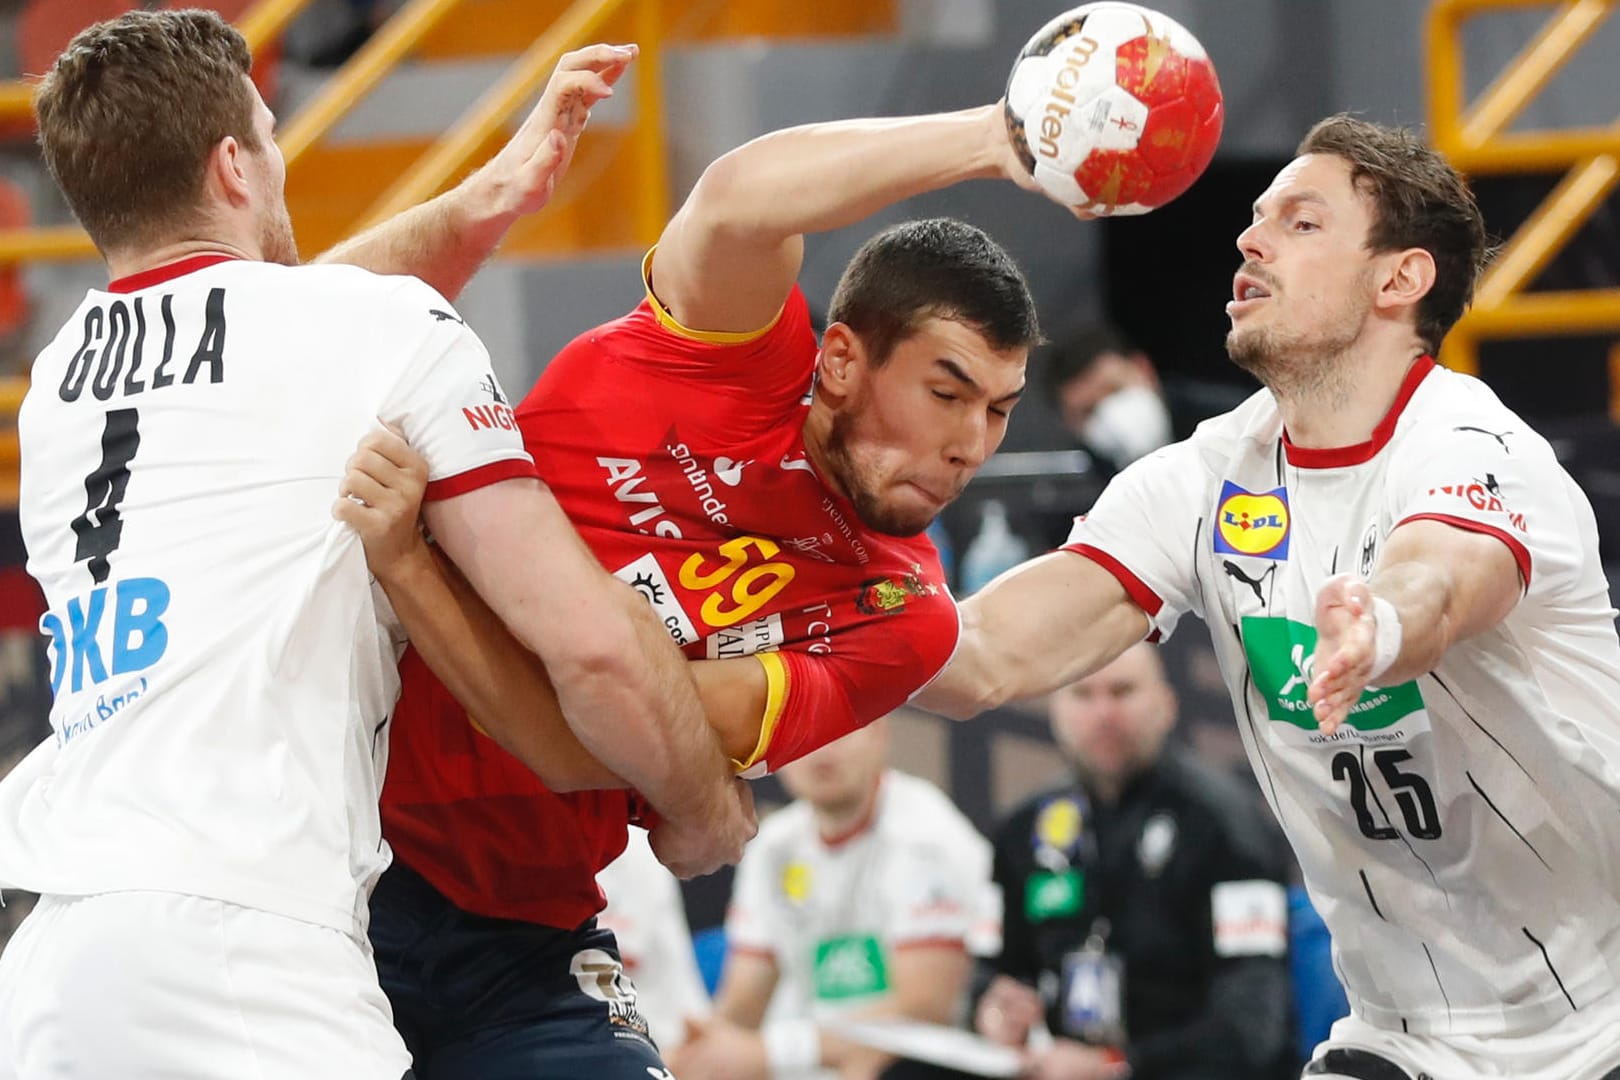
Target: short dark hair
{"x": 1419, "y": 201}
{"x": 1074, "y": 355}
{"x": 934, "y": 268}
{"x": 129, "y": 113}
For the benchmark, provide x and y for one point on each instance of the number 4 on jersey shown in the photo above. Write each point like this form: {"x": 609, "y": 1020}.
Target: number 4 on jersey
{"x": 100, "y": 527}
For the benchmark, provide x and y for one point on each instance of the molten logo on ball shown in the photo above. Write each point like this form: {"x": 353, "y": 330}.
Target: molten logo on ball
{"x": 1114, "y": 108}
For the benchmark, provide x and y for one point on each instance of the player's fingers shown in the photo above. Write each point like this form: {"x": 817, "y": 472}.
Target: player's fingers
{"x": 368, "y": 490}
{"x": 599, "y": 57}
{"x": 398, "y": 456}
{"x": 369, "y": 462}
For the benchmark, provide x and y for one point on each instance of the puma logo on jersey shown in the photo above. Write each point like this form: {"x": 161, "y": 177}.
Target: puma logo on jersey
{"x": 1500, "y": 437}
{"x": 446, "y": 316}
{"x": 1233, "y": 570}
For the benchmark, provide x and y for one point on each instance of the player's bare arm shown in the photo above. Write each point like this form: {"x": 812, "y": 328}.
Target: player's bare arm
{"x": 925, "y": 981}
{"x": 1039, "y": 626}
{"x": 503, "y": 686}
{"x": 446, "y": 239}
{"x": 729, "y": 257}
{"x": 1438, "y": 585}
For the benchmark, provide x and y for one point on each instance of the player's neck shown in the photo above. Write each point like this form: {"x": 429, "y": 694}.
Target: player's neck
{"x": 1345, "y": 402}
{"x": 122, "y": 264}
{"x": 841, "y": 823}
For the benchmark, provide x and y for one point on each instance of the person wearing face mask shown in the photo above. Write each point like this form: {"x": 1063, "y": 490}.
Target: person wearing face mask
{"x": 1109, "y": 396}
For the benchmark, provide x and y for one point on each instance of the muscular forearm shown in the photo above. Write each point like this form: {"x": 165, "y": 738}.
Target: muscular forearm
{"x": 637, "y": 712}
{"x": 502, "y": 685}
{"x": 443, "y": 241}
{"x": 825, "y": 176}
{"x": 1423, "y": 599}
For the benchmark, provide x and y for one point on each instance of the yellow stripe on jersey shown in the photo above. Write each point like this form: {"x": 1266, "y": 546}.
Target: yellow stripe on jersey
{"x": 776, "y": 685}
{"x": 708, "y": 337}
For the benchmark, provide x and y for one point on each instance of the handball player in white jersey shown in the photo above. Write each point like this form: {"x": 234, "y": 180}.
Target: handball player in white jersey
{"x": 1406, "y": 599}
{"x": 203, "y": 823}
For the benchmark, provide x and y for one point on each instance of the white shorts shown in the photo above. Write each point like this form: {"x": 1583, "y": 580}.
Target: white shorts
{"x": 1585, "y": 1045}
{"x": 142, "y": 985}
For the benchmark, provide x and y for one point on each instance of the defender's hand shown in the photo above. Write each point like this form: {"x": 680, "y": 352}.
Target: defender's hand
{"x": 1345, "y": 640}
{"x": 380, "y": 497}
{"x": 702, "y": 844}
{"x": 521, "y": 178}
{"x": 1009, "y": 164}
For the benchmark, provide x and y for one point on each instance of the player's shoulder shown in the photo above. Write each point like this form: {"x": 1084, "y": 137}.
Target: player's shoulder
{"x": 341, "y": 285}
{"x": 1451, "y": 407}
{"x": 784, "y": 829}
{"x": 919, "y": 814}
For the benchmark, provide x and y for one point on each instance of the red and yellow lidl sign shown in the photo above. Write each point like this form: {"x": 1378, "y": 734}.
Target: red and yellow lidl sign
{"x": 1252, "y": 523}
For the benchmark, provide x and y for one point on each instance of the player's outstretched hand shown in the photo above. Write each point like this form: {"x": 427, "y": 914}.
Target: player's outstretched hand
{"x": 380, "y": 497}
{"x": 702, "y": 843}
{"x": 522, "y": 177}
{"x": 1007, "y": 1011}
{"x": 1345, "y": 641}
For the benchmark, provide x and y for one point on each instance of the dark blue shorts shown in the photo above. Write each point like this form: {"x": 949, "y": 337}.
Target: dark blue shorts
{"x": 491, "y": 999}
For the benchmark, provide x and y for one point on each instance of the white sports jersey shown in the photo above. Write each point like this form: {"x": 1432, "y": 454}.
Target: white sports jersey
{"x": 646, "y": 914}
{"x": 832, "y": 913}
{"x": 222, "y": 673}
{"x": 1460, "y": 835}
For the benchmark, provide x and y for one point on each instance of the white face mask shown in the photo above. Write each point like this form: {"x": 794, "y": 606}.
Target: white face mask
{"x": 1127, "y": 424}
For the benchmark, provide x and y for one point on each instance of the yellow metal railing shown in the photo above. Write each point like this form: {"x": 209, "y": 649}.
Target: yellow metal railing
{"x": 12, "y": 389}
{"x": 458, "y": 148}
{"x": 1475, "y": 137}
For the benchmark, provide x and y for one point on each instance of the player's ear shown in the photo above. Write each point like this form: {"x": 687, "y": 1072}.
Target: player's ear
{"x": 1408, "y": 277}
{"x": 225, "y": 175}
{"x": 841, "y": 355}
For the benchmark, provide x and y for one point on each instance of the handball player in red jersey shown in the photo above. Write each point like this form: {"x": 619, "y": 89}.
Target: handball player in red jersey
{"x": 766, "y": 494}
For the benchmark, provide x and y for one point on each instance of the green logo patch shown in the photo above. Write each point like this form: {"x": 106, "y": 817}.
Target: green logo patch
{"x": 1053, "y": 896}
{"x": 849, "y": 967}
{"x": 1282, "y": 656}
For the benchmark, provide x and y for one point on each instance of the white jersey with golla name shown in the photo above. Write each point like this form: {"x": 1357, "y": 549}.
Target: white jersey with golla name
{"x": 1461, "y": 834}
{"x": 222, "y": 669}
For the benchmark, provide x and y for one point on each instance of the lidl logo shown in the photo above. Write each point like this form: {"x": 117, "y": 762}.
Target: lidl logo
{"x": 1282, "y": 657}
{"x": 1251, "y": 523}
{"x": 1057, "y": 826}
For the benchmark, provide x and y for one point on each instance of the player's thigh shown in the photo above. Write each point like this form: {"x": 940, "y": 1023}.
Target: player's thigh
{"x": 139, "y": 985}
{"x": 587, "y": 1025}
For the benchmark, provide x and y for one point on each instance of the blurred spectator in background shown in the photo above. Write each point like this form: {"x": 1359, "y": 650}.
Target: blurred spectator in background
{"x": 1145, "y": 921}
{"x": 860, "y": 898}
{"x": 645, "y": 913}
{"x": 1111, "y": 396}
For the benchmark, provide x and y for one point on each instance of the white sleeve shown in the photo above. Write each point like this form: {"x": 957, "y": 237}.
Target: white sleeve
{"x": 447, "y": 399}
{"x": 751, "y": 916}
{"x": 1145, "y": 529}
{"x": 933, "y": 894}
{"x": 1503, "y": 483}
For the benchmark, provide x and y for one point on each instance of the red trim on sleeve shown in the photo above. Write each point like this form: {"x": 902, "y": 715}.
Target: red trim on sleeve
{"x": 484, "y": 475}
{"x": 930, "y": 943}
{"x": 1145, "y": 598}
{"x": 167, "y": 272}
{"x": 1337, "y": 457}
{"x": 21, "y": 602}
{"x": 1521, "y": 554}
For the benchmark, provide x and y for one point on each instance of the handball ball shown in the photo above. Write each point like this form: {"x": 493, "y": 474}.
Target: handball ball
{"x": 1114, "y": 108}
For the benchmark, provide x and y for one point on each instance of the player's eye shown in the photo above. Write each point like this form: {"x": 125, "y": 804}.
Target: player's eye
{"x": 1305, "y": 225}
{"x": 943, "y": 395}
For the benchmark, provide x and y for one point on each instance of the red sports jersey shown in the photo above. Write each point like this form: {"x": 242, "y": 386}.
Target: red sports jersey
{"x": 680, "y": 459}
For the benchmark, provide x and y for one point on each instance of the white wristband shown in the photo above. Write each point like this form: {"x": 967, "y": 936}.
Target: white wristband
{"x": 1386, "y": 637}
{"x": 791, "y": 1046}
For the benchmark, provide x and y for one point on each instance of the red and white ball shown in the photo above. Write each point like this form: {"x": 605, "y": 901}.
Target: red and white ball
{"x": 1114, "y": 108}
